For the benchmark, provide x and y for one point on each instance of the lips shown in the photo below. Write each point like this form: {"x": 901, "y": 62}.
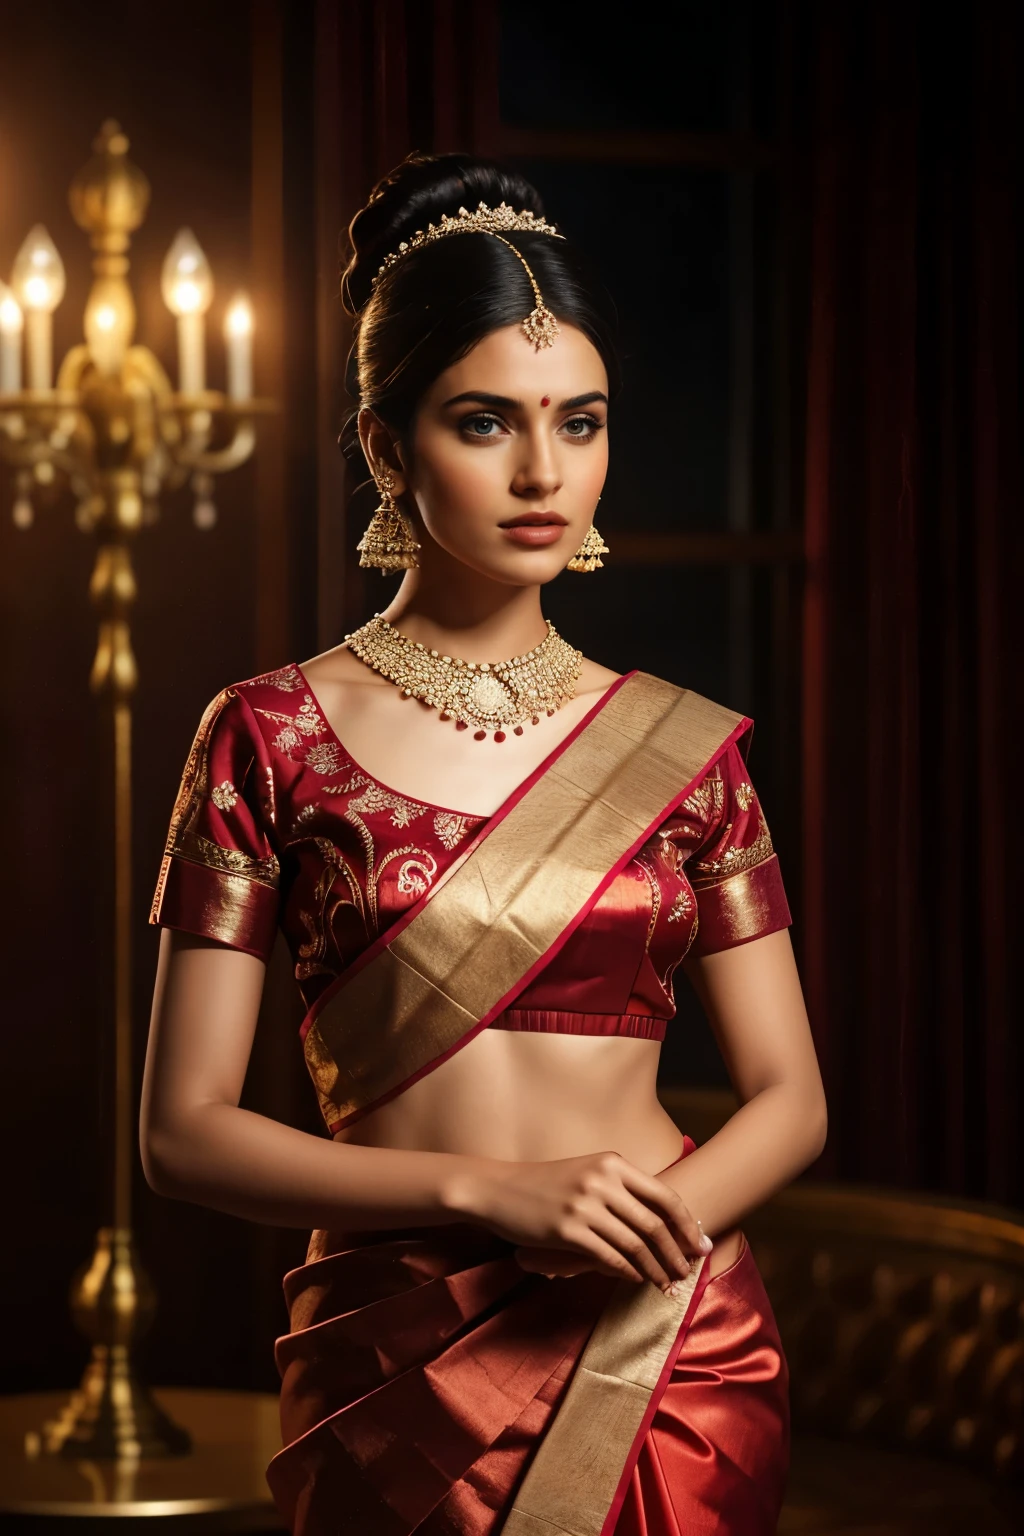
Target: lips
{"x": 535, "y": 520}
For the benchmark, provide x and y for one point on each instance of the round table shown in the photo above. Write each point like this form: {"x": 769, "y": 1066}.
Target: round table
{"x": 219, "y": 1486}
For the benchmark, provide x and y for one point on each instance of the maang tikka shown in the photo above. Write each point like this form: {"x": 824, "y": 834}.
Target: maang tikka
{"x": 389, "y": 542}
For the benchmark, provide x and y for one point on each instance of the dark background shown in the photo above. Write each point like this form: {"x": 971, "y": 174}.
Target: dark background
{"x": 810, "y": 219}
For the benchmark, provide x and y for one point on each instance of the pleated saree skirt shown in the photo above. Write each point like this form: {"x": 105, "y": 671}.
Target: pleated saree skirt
{"x": 423, "y": 1369}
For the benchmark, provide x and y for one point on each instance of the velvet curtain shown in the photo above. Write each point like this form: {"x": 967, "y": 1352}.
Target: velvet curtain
{"x": 912, "y": 832}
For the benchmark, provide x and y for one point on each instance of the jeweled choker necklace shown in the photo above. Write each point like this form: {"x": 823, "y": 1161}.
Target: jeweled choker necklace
{"x": 489, "y": 695}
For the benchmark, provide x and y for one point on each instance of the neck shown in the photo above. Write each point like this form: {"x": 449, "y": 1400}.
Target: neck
{"x": 474, "y": 619}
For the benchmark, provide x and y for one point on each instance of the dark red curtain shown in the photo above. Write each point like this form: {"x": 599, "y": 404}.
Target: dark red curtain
{"x": 913, "y": 846}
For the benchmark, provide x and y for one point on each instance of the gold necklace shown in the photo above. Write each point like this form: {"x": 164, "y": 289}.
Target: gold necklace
{"x": 487, "y": 694}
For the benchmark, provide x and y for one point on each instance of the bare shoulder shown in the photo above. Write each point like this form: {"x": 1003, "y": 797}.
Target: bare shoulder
{"x": 338, "y": 667}
{"x": 594, "y": 678}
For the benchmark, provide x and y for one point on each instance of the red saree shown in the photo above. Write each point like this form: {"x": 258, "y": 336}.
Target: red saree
{"x": 428, "y": 1383}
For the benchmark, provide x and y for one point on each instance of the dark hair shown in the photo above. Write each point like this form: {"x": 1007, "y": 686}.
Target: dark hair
{"x": 431, "y": 307}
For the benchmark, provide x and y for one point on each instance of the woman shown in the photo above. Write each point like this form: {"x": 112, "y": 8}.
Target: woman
{"x": 526, "y": 1305}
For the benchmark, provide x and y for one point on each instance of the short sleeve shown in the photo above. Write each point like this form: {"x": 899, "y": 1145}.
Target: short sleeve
{"x": 220, "y": 876}
{"x": 734, "y": 870}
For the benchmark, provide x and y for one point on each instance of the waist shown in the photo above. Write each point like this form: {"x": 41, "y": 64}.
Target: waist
{"x": 547, "y": 1021}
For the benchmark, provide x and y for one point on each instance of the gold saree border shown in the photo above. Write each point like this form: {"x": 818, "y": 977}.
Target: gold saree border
{"x": 499, "y": 916}
{"x": 575, "y": 1481}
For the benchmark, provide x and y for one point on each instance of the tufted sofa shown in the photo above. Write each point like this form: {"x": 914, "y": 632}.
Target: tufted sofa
{"x": 902, "y": 1316}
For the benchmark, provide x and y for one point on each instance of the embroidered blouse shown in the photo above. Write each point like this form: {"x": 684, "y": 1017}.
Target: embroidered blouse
{"x": 277, "y": 826}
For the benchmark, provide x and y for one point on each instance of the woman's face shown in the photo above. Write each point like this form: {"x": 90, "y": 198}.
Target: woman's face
{"x": 507, "y": 454}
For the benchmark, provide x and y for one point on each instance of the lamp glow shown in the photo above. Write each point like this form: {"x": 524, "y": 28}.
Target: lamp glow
{"x": 187, "y": 286}
{"x": 38, "y": 282}
{"x": 238, "y": 326}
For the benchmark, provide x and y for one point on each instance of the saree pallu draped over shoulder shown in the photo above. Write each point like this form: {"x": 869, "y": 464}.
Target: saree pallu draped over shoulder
{"x": 428, "y": 1382}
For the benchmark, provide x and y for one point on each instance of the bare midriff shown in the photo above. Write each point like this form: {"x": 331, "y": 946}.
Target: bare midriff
{"x": 522, "y": 1097}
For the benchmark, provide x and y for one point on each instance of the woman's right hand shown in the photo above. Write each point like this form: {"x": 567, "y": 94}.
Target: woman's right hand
{"x": 626, "y": 1223}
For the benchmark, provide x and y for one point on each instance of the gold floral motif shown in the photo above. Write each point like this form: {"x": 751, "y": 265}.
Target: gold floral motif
{"x": 651, "y": 877}
{"x": 707, "y": 801}
{"x": 416, "y": 876}
{"x": 307, "y": 721}
{"x": 745, "y": 796}
{"x": 224, "y": 796}
{"x": 286, "y": 679}
{"x": 735, "y": 860}
{"x": 325, "y": 758}
{"x": 451, "y": 828}
{"x": 682, "y": 907}
{"x": 376, "y": 798}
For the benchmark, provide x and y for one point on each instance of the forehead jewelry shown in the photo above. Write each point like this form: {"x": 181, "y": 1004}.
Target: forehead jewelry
{"x": 540, "y": 326}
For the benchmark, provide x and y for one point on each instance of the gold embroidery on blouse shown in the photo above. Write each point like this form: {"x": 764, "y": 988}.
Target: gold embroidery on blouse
{"x": 450, "y": 828}
{"x": 325, "y": 758}
{"x": 224, "y": 796}
{"x": 307, "y": 721}
{"x": 744, "y": 796}
{"x": 416, "y": 875}
{"x": 376, "y": 798}
{"x": 707, "y": 801}
{"x": 682, "y": 907}
{"x": 735, "y": 860}
{"x": 271, "y": 796}
{"x": 183, "y": 841}
{"x": 652, "y": 880}
{"x": 286, "y": 679}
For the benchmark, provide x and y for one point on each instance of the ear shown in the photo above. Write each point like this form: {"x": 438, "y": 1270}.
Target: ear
{"x": 379, "y": 447}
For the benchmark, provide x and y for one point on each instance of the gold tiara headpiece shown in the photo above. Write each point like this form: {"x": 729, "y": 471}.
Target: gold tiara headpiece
{"x": 540, "y": 326}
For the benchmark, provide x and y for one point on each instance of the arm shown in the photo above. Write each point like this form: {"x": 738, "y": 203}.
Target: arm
{"x": 197, "y": 1144}
{"x": 754, "y": 1003}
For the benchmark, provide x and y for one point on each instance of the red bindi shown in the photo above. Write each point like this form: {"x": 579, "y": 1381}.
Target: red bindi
{"x": 546, "y": 400}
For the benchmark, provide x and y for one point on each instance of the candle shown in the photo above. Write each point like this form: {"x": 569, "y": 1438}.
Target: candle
{"x": 12, "y": 323}
{"x": 191, "y": 354}
{"x": 187, "y": 286}
{"x": 238, "y": 335}
{"x": 38, "y": 283}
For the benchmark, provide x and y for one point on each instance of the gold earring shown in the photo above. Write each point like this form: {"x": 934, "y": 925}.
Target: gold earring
{"x": 389, "y": 542}
{"x": 588, "y": 556}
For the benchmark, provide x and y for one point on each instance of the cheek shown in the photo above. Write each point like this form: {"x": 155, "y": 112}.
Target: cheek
{"x": 452, "y": 477}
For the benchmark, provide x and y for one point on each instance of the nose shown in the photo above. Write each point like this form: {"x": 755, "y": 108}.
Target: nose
{"x": 538, "y": 474}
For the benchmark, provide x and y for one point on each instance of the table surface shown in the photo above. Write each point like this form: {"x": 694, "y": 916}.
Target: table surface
{"x": 234, "y": 1435}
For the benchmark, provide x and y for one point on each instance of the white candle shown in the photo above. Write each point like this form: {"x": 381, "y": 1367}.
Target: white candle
{"x": 12, "y": 323}
{"x": 38, "y": 283}
{"x": 191, "y": 354}
{"x": 39, "y": 348}
{"x": 238, "y": 335}
{"x": 187, "y": 285}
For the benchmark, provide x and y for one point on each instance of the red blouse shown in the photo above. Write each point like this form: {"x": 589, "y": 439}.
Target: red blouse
{"x": 276, "y": 825}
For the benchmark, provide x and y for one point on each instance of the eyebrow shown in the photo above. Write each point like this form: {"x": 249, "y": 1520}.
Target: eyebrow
{"x": 506, "y": 403}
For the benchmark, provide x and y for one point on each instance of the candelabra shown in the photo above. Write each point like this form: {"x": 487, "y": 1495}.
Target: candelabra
{"x": 120, "y": 434}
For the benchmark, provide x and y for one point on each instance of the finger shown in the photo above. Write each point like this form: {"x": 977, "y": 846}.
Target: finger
{"x": 656, "y": 1232}
{"x": 607, "y": 1257}
{"x": 670, "y": 1206}
{"x": 633, "y": 1245}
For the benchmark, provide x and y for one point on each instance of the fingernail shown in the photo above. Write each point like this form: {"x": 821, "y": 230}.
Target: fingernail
{"x": 674, "y": 1289}
{"x": 706, "y": 1244}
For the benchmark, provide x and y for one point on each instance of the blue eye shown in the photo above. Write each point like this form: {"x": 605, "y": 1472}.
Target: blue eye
{"x": 471, "y": 424}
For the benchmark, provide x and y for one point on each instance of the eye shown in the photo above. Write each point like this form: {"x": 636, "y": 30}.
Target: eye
{"x": 479, "y": 426}
{"x": 582, "y": 428}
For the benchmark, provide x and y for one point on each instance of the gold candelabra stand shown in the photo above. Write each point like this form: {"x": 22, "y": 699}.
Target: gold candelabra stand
{"x": 115, "y": 428}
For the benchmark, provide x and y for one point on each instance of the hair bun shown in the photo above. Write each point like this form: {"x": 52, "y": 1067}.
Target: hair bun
{"x": 416, "y": 193}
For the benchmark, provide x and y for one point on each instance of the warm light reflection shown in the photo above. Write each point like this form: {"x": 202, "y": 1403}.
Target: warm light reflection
{"x": 105, "y": 317}
{"x": 12, "y": 321}
{"x": 38, "y": 275}
{"x": 186, "y": 280}
{"x": 238, "y": 320}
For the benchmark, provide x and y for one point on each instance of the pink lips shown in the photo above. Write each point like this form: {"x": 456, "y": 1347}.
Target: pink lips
{"x": 534, "y": 530}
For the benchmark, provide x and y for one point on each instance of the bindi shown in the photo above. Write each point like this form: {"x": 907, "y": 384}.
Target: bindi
{"x": 546, "y": 400}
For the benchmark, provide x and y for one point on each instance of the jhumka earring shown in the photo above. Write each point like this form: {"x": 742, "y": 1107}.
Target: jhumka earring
{"x": 389, "y": 542}
{"x": 588, "y": 556}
